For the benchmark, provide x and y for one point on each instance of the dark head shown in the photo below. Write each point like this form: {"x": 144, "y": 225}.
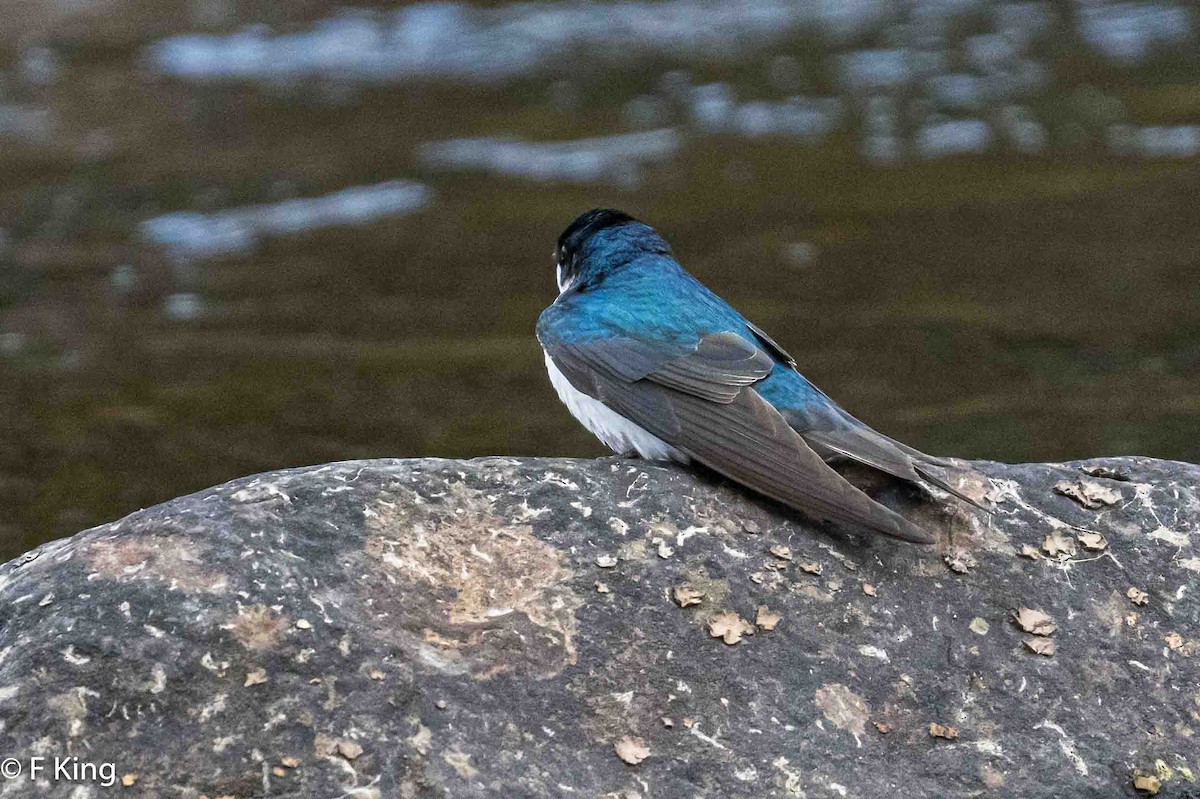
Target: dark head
{"x": 600, "y": 241}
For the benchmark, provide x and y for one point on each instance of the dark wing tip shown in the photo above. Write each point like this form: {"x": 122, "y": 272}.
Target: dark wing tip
{"x": 897, "y": 526}
{"x": 927, "y": 474}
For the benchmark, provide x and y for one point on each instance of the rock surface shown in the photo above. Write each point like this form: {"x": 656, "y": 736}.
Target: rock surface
{"x": 412, "y": 628}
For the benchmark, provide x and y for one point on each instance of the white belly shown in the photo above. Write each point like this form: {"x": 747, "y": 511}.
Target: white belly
{"x": 618, "y": 433}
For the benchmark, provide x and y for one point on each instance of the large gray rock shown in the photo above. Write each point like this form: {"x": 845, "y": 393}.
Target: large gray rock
{"x": 497, "y": 627}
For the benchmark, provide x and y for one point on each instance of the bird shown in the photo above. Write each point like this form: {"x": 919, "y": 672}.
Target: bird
{"x": 657, "y": 366}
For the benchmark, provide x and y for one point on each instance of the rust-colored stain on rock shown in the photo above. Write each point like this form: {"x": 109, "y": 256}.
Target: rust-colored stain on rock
{"x": 500, "y": 600}
{"x": 258, "y": 628}
{"x": 846, "y": 709}
{"x": 172, "y": 560}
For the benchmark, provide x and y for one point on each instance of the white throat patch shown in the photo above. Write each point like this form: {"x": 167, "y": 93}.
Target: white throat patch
{"x": 563, "y": 282}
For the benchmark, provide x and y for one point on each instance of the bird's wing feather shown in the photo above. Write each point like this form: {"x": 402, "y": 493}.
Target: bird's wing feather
{"x": 702, "y": 402}
{"x": 866, "y": 446}
{"x": 771, "y": 345}
{"x": 718, "y": 368}
{"x": 841, "y": 433}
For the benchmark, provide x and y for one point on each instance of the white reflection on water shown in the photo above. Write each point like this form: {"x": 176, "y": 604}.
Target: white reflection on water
{"x": 1130, "y": 32}
{"x": 714, "y": 108}
{"x": 990, "y": 77}
{"x": 457, "y": 41}
{"x": 454, "y": 40}
{"x": 28, "y": 123}
{"x": 617, "y": 159}
{"x": 1154, "y": 141}
{"x": 953, "y": 137}
{"x": 190, "y": 235}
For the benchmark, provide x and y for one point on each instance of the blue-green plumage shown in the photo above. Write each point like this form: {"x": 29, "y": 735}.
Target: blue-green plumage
{"x": 654, "y": 362}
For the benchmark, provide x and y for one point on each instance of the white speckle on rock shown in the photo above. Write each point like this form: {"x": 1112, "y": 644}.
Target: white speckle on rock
{"x": 988, "y": 747}
{"x": 746, "y": 774}
{"x": 688, "y": 532}
{"x": 525, "y": 513}
{"x": 736, "y": 553}
{"x": 259, "y": 492}
{"x": 553, "y": 478}
{"x": 706, "y": 738}
{"x": 159, "y": 673}
{"x": 618, "y": 526}
{"x": 74, "y": 659}
{"x": 1172, "y": 537}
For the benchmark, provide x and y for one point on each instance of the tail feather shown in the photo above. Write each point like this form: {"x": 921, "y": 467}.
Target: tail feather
{"x": 928, "y": 475}
{"x": 842, "y": 434}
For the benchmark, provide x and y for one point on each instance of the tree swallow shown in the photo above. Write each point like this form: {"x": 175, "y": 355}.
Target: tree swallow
{"x": 655, "y": 364}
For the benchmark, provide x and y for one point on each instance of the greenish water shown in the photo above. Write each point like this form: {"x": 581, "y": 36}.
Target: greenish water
{"x": 996, "y": 306}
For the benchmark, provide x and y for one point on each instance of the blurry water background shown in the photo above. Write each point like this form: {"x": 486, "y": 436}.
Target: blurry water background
{"x": 239, "y": 235}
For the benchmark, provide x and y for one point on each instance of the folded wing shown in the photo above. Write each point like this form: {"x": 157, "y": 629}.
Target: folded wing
{"x": 700, "y": 398}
